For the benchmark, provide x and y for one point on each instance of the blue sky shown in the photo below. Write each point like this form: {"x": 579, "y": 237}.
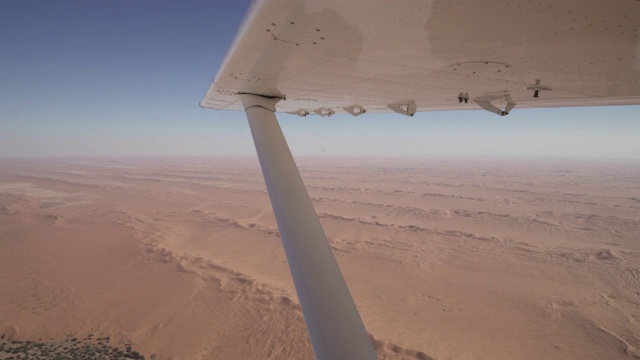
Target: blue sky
{"x": 118, "y": 78}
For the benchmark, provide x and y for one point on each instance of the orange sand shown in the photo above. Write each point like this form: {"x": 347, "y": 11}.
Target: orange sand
{"x": 446, "y": 259}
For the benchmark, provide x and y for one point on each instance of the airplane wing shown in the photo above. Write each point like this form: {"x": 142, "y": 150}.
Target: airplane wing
{"x": 354, "y": 56}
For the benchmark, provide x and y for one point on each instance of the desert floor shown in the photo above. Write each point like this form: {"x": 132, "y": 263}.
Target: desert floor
{"x": 446, "y": 258}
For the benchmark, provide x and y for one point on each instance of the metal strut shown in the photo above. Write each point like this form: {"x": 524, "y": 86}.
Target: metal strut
{"x": 335, "y": 327}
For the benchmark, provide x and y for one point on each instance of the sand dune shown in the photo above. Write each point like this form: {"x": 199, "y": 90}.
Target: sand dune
{"x": 446, "y": 259}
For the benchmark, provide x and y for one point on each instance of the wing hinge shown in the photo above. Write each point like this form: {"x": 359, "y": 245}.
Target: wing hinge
{"x": 485, "y": 102}
{"x": 407, "y": 108}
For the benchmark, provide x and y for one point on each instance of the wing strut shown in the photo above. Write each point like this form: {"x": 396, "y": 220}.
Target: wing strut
{"x": 335, "y": 327}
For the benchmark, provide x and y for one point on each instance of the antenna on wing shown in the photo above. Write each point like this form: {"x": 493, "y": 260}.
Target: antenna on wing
{"x": 537, "y": 88}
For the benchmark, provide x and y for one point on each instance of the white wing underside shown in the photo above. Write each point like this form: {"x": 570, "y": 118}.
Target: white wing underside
{"x": 355, "y": 55}
{"x": 324, "y": 57}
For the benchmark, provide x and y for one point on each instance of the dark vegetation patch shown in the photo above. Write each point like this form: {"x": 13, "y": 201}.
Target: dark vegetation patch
{"x": 69, "y": 349}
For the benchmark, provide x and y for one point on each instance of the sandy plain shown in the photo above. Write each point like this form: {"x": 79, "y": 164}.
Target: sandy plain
{"x": 445, "y": 258}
